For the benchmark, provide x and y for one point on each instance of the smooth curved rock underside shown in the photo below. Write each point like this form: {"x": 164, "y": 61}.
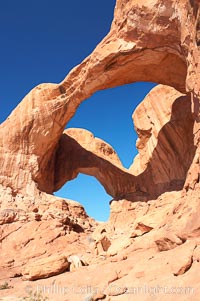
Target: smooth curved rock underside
{"x": 80, "y": 152}
{"x": 164, "y": 124}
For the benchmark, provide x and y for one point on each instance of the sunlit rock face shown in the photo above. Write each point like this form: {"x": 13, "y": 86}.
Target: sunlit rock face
{"x": 150, "y": 237}
{"x": 148, "y": 41}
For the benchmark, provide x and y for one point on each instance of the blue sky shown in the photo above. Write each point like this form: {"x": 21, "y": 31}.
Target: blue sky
{"x": 41, "y": 41}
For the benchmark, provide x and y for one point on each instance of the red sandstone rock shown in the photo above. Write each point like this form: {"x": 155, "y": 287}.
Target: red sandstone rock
{"x": 160, "y": 47}
{"x": 45, "y": 267}
{"x": 164, "y": 124}
{"x": 80, "y": 152}
{"x": 149, "y": 41}
{"x": 141, "y": 262}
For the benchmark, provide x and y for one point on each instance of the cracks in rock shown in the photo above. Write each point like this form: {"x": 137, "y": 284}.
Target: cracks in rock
{"x": 36, "y": 256}
{"x": 38, "y": 227}
{"x": 24, "y": 244}
{"x": 118, "y": 275}
{"x": 177, "y": 208}
{"x": 185, "y": 268}
{"x": 140, "y": 52}
{"x": 110, "y": 65}
{"x": 10, "y": 233}
{"x": 62, "y": 89}
{"x": 195, "y": 232}
{"x": 53, "y": 239}
{"x": 114, "y": 290}
{"x": 115, "y": 278}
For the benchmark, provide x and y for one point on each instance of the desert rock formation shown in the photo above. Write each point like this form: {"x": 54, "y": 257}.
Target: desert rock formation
{"x": 146, "y": 249}
{"x": 143, "y": 37}
{"x": 164, "y": 124}
{"x": 152, "y": 238}
{"x": 80, "y": 152}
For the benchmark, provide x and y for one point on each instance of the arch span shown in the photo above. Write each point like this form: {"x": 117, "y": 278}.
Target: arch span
{"x": 145, "y": 43}
{"x": 164, "y": 124}
{"x": 80, "y": 152}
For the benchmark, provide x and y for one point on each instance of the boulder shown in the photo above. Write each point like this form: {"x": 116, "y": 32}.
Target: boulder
{"x": 45, "y": 267}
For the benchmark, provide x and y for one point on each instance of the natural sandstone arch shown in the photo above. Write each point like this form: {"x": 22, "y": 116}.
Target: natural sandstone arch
{"x": 147, "y": 42}
{"x": 80, "y": 152}
{"x": 166, "y": 141}
{"x": 164, "y": 123}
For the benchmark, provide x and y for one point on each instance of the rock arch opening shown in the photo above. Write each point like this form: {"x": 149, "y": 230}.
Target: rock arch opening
{"x": 164, "y": 124}
{"x": 108, "y": 116}
{"x": 135, "y": 49}
{"x": 89, "y": 193}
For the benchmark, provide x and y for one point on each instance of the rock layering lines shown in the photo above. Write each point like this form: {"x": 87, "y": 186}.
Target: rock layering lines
{"x": 156, "y": 242}
{"x": 148, "y": 41}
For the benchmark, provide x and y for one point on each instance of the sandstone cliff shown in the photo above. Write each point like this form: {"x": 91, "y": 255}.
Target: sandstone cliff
{"x": 152, "y": 238}
{"x": 164, "y": 124}
{"x": 143, "y": 37}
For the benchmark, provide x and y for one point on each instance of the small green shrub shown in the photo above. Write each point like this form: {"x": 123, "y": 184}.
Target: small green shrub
{"x": 34, "y": 296}
{"x": 4, "y": 286}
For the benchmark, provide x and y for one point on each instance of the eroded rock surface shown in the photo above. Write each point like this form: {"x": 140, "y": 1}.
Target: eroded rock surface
{"x": 153, "y": 242}
{"x": 80, "y": 152}
{"x": 148, "y": 41}
{"x": 38, "y": 229}
{"x": 164, "y": 124}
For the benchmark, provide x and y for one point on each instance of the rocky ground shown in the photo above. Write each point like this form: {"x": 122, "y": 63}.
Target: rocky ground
{"x": 150, "y": 247}
{"x": 146, "y": 251}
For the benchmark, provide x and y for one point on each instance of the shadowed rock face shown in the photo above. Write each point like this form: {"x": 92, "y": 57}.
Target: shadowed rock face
{"x": 80, "y": 152}
{"x": 148, "y": 41}
{"x": 153, "y": 242}
{"x": 164, "y": 124}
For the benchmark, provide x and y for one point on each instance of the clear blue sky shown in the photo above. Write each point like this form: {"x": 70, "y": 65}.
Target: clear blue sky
{"x": 41, "y": 41}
